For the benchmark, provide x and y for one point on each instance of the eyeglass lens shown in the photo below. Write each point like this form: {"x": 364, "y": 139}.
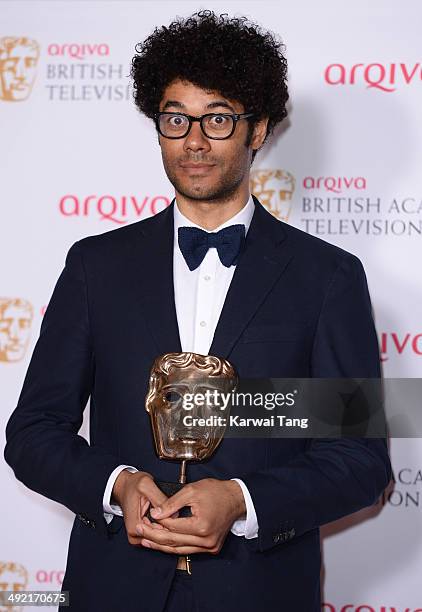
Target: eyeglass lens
{"x": 214, "y": 126}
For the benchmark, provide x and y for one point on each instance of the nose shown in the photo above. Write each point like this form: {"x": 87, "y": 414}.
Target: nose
{"x": 20, "y": 69}
{"x": 14, "y": 330}
{"x": 196, "y": 139}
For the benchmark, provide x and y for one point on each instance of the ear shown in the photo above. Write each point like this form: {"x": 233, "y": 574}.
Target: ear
{"x": 259, "y": 133}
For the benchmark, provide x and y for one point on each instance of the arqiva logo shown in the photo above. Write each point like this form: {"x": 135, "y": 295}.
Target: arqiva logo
{"x": 326, "y": 607}
{"x": 385, "y": 77}
{"x": 49, "y": 576}
{"x": 393, "y": 343}
{"x": 78, "y": 51}
{"x": 119, "y": 209}
{"x": 336, "y": 184}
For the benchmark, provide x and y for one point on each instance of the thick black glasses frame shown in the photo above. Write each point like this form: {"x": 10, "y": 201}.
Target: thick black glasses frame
{"x": 235, "y": 116}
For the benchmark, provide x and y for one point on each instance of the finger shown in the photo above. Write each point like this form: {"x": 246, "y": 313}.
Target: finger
{"x": 188, "y": 526}
{"x": 132, "y": 516}
{"x": 172, "y": 504}
{"x": 145, "y": 504}
{"x": 179, "y": 550}
{"x": 168, "y": 538}
{"x": 153, "y": 493}
{"x": 134, "y": 510}
{"x": 154, "y": 525}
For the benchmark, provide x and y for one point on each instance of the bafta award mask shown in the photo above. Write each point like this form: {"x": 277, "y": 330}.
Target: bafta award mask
{"x": 185, "y": 406}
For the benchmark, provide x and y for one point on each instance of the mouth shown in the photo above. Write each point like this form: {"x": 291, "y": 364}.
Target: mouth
{"x": 199, "y": 168}
{"x": 13, "y": 347}
{"x": 191, "y": 437}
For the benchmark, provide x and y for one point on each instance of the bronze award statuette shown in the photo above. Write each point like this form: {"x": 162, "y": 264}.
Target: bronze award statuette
{"x": 187, "y": 385}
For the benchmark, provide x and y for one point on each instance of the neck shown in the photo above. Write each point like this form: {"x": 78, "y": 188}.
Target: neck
{"x": 210, "y": 214}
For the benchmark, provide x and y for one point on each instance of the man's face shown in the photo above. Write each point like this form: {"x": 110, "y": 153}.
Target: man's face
{"x": 15, "y": 329}
{"x": 17, "y": 72}
{"x": 201, "y": 168}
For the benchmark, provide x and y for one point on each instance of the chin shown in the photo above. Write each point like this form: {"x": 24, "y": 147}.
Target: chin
{"x": 199, "y": 193}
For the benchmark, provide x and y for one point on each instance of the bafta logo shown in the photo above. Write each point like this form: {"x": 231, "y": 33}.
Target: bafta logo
{"x": 15, "y": 327}
{"x": 13, "y": 577}
{"x": 18, "y": 63}
{"x": 274, "y": 189}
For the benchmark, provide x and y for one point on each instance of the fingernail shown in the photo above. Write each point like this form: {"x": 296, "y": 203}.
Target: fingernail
{"x": 139, "y": 529}
{"x": 146, "y": 544}
{"x": 156, "y": 512}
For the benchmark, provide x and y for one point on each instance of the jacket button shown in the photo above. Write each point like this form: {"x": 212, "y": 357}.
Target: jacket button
{"x": 86, "y": 521}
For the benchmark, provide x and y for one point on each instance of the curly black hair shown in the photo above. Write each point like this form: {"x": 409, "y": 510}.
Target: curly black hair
{"x": 230, "y": 55}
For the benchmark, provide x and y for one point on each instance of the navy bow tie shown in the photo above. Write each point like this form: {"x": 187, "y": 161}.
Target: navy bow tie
{"x": 195, "y": 242}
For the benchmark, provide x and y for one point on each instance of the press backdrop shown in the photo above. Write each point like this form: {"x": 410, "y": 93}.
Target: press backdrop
{"x": 77, "y": 159}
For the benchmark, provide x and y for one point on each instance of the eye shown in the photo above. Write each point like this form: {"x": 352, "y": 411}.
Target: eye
{"x": 218, "y": 120}
{"x": 172, "y": 397}
{"x": 10, "y": 64}
{"x": 176, "y": 120}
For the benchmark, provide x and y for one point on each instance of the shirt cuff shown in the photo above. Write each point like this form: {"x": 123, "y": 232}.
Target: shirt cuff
{"x": 113, "y": 509}
{"x": 248, "y": 526}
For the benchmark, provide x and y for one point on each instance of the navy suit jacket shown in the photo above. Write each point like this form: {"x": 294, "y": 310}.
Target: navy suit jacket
{"x": 297, "y": 307}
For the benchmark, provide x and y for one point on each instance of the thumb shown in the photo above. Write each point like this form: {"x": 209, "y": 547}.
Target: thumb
{"x": 171, "y": 505}
{"x": 154, "y": 495}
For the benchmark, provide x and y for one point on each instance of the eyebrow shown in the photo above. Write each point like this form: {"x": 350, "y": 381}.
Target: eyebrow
{"x": 211, "y": 105}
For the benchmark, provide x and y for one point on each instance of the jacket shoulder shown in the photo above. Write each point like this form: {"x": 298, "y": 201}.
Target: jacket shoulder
{"x": 312, "y": 250}
{"x": 112, "y": 241}
{"x": 318, "y": 254}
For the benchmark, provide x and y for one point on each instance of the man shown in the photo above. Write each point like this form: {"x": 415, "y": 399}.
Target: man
{"x": 278, "y": 303}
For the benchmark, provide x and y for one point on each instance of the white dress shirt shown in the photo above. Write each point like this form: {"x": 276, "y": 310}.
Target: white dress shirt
{"x": 199, "y": 297}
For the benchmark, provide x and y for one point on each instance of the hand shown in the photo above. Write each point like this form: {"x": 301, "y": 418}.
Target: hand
{"x": 215, "y": 505}
{"x": 135, "y": 493}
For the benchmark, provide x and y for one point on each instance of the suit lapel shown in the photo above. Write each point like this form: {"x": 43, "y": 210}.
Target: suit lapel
{"x": 261, "y": 263}
{"x": 156, "y": 279}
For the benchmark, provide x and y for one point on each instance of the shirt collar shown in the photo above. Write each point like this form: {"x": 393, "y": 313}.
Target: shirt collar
{"x": 244, "y": 217}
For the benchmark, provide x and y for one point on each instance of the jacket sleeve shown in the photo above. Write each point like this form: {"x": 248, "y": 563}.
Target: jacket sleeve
{"x": 334, "y": 477}
{"x": 43, "y": 446}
